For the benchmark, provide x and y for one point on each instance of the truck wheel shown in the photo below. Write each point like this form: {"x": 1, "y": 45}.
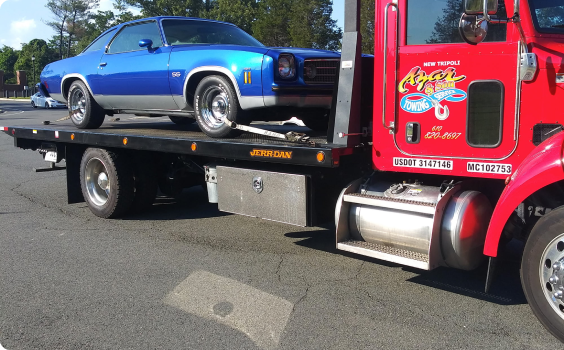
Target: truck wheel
{"x": 145, "y": 184}
{"x": 181, "y": 120}
{"x": 214, "y": 101}
{"x": 84, "y": 111}
{"x": 317, "y": 121}
{"x": 542, "y": 271}
{"x": 106, "y": 180}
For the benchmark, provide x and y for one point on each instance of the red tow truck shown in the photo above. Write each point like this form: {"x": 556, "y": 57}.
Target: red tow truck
{"x": 444, "y": 147}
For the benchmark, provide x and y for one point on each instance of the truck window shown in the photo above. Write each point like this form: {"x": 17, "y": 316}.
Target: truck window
{"x": 485, "y": 113}
{"x": 436, "y": 22}
{"x": 548, "y": 15}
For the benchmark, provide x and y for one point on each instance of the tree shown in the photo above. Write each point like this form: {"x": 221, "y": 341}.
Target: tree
{"x": 43, "y": 56}
{"x": 239, "y": 12}
{"x": 367, "y": 25}
{"x": 271, "y": 25}
{"x": 69, "y": 18}
{"x": 8, "y": 58}
{"x": 311, "y": 26}
{"x": 446, "y": 27}
{"x": 187, "y": 8}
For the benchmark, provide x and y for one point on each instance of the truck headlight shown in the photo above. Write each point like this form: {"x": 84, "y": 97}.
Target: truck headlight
{"x": 286, "y": 66}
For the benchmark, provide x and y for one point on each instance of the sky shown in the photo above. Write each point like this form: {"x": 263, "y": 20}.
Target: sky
{"x": 23, "y": 20}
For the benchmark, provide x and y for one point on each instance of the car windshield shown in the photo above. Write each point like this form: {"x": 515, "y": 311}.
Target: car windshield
{"x": 179, "y": 32}
{"x": 548, "y": 15}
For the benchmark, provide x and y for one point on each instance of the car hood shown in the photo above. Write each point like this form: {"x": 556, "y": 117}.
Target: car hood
{"x": 304, "y": 53}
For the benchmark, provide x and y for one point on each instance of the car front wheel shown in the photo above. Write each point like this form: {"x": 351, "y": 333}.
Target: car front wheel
{"x": 85, "y": 113}
{"x": 33, "y": 104}
{"x": 215, "y": 101}
{"x": 46, "y": 105}
{"x": 542, "y": 271}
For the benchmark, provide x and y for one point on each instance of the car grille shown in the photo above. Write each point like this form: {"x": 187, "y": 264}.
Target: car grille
{"x": 320, "y": 71}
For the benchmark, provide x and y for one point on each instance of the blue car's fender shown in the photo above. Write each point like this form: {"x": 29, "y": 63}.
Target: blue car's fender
{"x": 189, "y": 64}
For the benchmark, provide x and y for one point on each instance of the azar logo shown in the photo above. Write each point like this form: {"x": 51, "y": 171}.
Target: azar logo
{"x": 175, "y": 74}
{"x": 271, "y": 154}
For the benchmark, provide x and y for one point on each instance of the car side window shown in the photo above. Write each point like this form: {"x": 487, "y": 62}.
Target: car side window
{"x": 100, "y": 43}
{"x": 128, "y": 39}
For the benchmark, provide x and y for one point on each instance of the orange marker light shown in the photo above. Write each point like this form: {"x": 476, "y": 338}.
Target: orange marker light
{"x": 125, "y": 141}
{"x": 320, "y": 157}
{"x": 194, "y": 147}
{"x": 72, "y": 137}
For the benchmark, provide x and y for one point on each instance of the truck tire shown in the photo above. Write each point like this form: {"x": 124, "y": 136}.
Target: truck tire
{"x": 106, "y": 180}
{"x": 181, "y": 120}
{"x": 145, "y": 184}
{"x": 214, "y": 100}
{"x": 543, "y": 260}
{"x": 85, "y": 113}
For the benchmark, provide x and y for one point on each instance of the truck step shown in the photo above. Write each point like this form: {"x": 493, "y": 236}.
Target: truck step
{"x": 392, "y": 254}
{"x": 392, "y": 203}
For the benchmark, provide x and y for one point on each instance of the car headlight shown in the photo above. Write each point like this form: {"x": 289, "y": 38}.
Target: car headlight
{"x": 286, "y": 66}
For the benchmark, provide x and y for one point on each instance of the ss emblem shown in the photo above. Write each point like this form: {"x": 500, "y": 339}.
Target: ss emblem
{"x": 257, "y": 184}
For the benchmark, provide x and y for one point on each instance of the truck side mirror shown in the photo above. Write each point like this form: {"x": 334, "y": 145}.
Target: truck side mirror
{"x": 477, "y": 7}
{"x": 472, "y": 30}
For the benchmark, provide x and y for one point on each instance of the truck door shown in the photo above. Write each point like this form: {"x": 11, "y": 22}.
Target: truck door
{"x": 451, "y": 99}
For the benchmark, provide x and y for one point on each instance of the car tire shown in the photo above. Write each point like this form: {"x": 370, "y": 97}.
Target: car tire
{"x": 317, "y": 120}
{"x": 85, "y": 113}
{"x": 106, "y": 180}
{"x": 47, "y": 105}
{"x": 33, "y": 104}
{"x": 543, "y": 251}
{"x": 181, "y": 120}
{"x": 214, "y": 100}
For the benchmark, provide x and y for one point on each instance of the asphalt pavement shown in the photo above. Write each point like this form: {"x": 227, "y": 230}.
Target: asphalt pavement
{"x": 186, "y": 276}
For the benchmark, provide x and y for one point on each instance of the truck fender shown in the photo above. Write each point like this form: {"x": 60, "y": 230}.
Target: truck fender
{"x": 542, "y": 167}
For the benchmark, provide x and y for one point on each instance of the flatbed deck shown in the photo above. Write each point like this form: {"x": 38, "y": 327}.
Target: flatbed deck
{"x": 161, "y": 136}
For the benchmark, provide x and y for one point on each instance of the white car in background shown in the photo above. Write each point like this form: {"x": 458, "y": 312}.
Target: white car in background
{"x": 39, "y": 100}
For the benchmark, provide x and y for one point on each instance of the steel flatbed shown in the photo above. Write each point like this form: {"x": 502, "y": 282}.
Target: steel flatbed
{"x": 161, "y": 136}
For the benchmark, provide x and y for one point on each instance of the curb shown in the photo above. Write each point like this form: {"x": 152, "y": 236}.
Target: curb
{"x": 14, "y": 100}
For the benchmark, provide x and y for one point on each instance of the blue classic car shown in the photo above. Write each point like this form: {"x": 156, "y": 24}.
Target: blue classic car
{"x": 192, "y": 69}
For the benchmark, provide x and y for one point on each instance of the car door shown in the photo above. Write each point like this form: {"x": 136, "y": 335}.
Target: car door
{"x": 459, "y": 98}
{"x": 133, "y": 77}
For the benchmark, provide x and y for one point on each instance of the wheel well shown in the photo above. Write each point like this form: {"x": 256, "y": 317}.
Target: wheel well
{"x": 538, "y": 204}
{"x": 194, "y": 81}
{"x": 66, "y": 86}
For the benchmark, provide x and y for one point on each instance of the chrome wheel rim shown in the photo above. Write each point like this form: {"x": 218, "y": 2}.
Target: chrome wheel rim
{"x": 98, "y": 184}
{"x": 77, "y": 103}
{"x": 552, "y": 274}
{"x": 215, "y": 106}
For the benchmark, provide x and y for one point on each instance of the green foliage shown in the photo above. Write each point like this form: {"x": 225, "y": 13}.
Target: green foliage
{"x": 297, "y": 23}
{"x": 239, "y": 12}
{"x": 8, "y": 58}
{"x": 43, "y": 55}
{"x": 367, "y": 25}
{"x": 187, "y": 8}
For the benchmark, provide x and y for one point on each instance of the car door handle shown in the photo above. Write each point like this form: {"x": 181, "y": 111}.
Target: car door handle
{"x": 103, "y": 64}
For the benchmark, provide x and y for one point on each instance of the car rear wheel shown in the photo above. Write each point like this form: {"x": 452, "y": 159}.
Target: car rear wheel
{"x": 181, "y": 120}
{"x": 215, "y": 101}
{"x": 85, "y": 113}
{"x": 107, "y": 182}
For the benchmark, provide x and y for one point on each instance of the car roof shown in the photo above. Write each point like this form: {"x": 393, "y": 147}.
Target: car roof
{"x": 159, "y": 18}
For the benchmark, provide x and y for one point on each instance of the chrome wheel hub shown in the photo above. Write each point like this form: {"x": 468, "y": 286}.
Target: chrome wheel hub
{"x": 77, "y": 103}
{"x": 215, "y": 106}
{"x": 98, "y": 184}
{"x": 552, "y": 274}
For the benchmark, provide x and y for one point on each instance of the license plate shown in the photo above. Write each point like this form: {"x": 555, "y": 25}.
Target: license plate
{"x": 489, "y": 168}
{"x": 423, "y": 163}
{"x": 51, "y": 156}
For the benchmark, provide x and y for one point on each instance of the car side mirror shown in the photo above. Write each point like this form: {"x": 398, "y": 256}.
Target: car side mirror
{"x": 477, "y": 7}
{"x": 148, "y": 43}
